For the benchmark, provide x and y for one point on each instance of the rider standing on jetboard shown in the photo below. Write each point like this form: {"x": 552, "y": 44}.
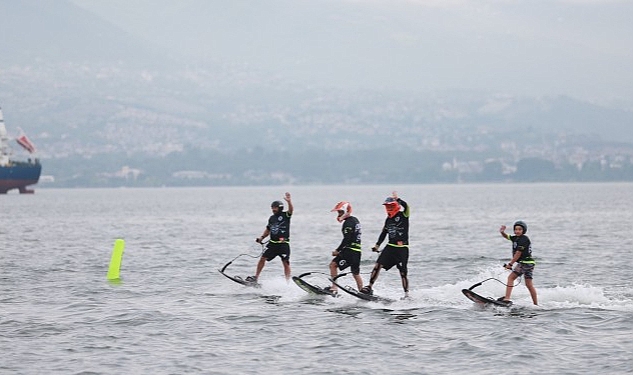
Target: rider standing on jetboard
{"x": 396, "y": 252}
{"x": 522, "y": 256}
{"x": 348, "y": 253}
{"x": 279, "y": 245}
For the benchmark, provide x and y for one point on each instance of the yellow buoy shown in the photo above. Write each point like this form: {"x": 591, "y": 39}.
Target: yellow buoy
{"x": 115, "y": 261}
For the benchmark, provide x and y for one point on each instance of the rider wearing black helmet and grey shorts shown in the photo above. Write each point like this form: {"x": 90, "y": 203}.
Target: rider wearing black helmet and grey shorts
{"x": 522, "y": 257}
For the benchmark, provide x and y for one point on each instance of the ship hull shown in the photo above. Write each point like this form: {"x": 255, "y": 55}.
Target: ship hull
{"x": 19, "y": 175}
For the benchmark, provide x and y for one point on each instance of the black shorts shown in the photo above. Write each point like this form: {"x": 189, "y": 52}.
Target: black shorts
{"x": 274, "y": 250}
{"x": 394, "y": 256}
{"x": 348, "y": 258}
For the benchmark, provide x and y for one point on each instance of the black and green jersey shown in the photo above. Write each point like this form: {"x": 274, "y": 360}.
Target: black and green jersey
{"x": 279, "y": 227}
{"x": 397, "y": 227}
{"x": 522, "y": 243}
{"x": 351, "y": 234}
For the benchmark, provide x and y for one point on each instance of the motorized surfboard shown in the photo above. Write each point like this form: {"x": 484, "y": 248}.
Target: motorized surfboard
{"x": 357, "y": 294}
{"x": 484, "y": 300}
{"x": 240, "y": 280}
{"x": 310, "y": 288}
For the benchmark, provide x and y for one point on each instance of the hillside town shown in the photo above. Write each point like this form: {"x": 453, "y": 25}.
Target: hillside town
{"x": 109, "y": 128}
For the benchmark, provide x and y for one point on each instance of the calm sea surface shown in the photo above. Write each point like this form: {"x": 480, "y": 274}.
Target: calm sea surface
{"x": 174, "y": 313}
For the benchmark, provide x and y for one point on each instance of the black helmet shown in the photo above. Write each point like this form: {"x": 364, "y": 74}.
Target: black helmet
{"x": 522, "y": 225}
{"x": 277, "y": 204}
{"x": 390, "y": 200}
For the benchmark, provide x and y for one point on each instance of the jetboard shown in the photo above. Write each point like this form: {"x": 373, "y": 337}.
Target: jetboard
{"x": 484, "y": 300}
{"x": 312, "y": 289}
{"x": 239, "y": 280}
{"x": 363, "y": 296}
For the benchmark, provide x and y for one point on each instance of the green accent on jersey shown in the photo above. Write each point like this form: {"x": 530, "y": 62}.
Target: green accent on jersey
{"x": 355, "y": 246}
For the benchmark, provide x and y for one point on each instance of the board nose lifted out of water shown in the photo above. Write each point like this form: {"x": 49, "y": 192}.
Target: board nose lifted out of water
{"x": 367, "y": 297}
{"x": 239, "y": 279}
{"x": 479, "y": 299}
{"x": 311, "y": 288}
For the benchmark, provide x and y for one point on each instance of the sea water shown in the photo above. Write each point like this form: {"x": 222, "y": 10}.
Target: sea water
{"x": 172, "y": 312}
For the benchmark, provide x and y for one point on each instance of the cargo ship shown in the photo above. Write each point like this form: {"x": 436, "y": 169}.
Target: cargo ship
{"x": 15, "y": 174}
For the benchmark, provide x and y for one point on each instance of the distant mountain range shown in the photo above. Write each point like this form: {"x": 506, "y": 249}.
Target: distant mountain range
{"x": 102, "y": 105}
{"x": 45, "y": 32}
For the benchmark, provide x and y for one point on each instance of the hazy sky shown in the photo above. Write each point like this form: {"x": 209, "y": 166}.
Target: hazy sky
{"x": 581, "y": 48}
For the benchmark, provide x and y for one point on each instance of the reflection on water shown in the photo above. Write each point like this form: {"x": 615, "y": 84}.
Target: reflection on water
{"x": 176, "y": 239}
{"x": 349, "y": 311}
{"x": 315, "y": 300}
{"x": 273, "y": 299}
{"x": 402, "y": 317}
{"x": 515, "y": 311}
{"x": 115, "y": 281}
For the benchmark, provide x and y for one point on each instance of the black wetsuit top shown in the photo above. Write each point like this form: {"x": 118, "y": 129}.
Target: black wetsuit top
{"x": 397, "y": 227}
{"x": 279, "y": 227}
{"x": 522, "y": 243}
{"x": 351, "y": 234}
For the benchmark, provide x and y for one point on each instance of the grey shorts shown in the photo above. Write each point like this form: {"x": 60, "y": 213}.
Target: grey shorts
{"x": 524, "y": 269}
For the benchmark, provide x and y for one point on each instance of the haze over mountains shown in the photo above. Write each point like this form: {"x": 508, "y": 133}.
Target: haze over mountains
{"x": 266, "y": 87}
{"x": 575, "y": 48}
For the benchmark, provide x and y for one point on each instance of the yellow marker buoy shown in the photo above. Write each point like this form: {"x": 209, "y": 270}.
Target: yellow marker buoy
{"x": 115, "y": 261}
